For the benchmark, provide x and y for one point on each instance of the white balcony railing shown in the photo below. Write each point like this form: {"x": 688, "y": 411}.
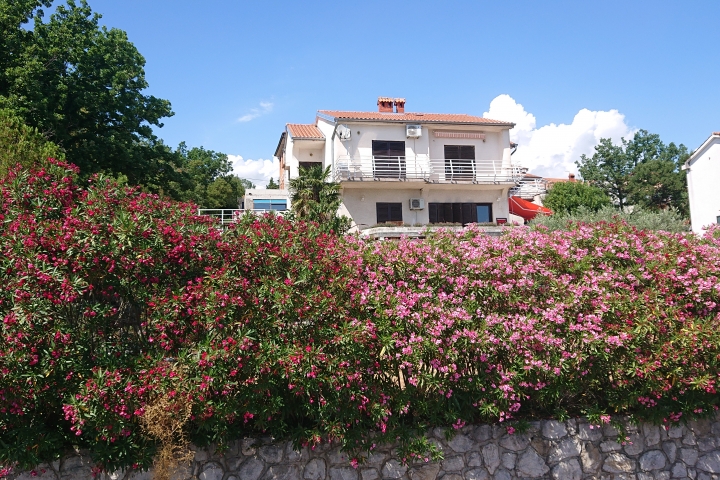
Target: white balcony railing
{"x": 432, "y": 170}
{"x": 231, "y": 215}
{"x": 529, "y": 188}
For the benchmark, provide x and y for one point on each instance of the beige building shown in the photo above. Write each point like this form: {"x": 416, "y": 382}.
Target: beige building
{"x": 407, "y": 169}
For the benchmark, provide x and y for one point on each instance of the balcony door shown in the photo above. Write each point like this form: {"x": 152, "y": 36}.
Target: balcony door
{"x": 460, "y": 162}
{"x": 388, "y": 159}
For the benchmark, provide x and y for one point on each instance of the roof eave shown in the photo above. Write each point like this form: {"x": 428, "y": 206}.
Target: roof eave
{"x": 419, "y": 121}
{"x": 700, "y": 149}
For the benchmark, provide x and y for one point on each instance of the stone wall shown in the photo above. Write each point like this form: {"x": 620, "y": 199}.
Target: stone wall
{"x": 570, "y": 450}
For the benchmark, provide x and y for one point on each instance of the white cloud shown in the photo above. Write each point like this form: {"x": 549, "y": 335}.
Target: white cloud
{"x": 265, "y": 107}
{"x": 257, "y": 171}
{"x": 551, "y": 150}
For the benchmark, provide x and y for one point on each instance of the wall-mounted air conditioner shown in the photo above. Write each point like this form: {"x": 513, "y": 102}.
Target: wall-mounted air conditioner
{"x": 417, "y": 203}
{"x": 413, "y": 131}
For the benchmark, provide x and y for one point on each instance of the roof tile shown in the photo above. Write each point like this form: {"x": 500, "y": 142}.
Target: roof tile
{"x": 414, "y": 117}
{"x": 305, "y": 132}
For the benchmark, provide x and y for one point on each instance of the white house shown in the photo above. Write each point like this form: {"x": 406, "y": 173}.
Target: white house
{"x": 403, "y": 168}
{"x": 703, "y": 178}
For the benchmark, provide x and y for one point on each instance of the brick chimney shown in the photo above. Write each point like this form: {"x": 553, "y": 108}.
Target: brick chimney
{"x": 385, "y": 104}
{"x": 399, "y": 105}
{"x": 571, "y": 177}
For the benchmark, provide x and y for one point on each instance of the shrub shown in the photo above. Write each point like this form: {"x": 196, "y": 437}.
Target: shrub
{"x": 669, "y": 220}
{"x": 123, "y": 313}
{"x": 568, "y": 197}
{"x": 22, "y": 144}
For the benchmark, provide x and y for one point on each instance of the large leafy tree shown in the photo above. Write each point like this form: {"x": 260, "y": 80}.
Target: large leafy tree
{"x": 568, "y": 197}
{"x": 211, "y": 182}
{"x": 82, "y": 87}
{"x": 314, "y": 197}
{"x": 642, "y": 171}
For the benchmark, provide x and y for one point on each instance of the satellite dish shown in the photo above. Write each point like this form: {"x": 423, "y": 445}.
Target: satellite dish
{"x": 343, "y": 133}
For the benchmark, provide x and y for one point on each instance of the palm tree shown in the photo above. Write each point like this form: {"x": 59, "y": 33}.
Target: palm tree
{"x": 314, "y": 197}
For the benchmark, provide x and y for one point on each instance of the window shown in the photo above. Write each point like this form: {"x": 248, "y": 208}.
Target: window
{"x": 462, "y": 213}
{"x": 389, "y": 212}
{"x": 388, "y": 159}
{"x": 459, "y": 162}
{"x": 276, "y": 204}
{"x": 309, "y": 165}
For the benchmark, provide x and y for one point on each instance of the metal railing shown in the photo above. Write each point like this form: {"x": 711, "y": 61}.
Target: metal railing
{"x": 529, "y": 188}
{"x": 431, "y": 170}
{"x": 231, "y": 215}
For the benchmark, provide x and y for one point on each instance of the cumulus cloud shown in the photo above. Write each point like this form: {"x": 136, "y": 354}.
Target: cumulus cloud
{"x": 265, "y": 107}
{"x": 551, "y": 150}
{"x": 257, "y": 171}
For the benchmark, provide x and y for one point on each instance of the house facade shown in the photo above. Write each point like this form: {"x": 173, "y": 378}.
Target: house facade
{"x": 401, "y": 168}
{"x": 703, "y": 176}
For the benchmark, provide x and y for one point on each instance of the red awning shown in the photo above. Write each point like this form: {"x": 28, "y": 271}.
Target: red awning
{"x": 527, "y": 210}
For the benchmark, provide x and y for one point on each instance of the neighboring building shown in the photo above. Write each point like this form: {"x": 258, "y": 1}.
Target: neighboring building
{"x": 703, "y": 178}
{"x": 266, "y": 200}
{"x": 407, "y": 168}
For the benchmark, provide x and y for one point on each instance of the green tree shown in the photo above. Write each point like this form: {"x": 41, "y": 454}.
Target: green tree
{"x": 20, "y": 144}
{"x": 209, "y": 181}
{"x": 642, "y": 171}
{"x": 272, "y": 185}
{"x": 315, "y": 198}
{"x": 608, "y": 169}
{"x": 81, "y": 86}
{"x": 568, "y": 197}
{"x": 660, "y": 183}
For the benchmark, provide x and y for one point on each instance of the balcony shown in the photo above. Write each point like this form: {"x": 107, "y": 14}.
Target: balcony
{"x": 430, "y": 170}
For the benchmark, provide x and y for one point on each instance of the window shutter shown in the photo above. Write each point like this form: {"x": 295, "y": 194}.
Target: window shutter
{"x": 452, "y": 152}
{"x": 396, "y": 212}
{"x": 467, "y": 152}
{"x": 433, "y": 212}
{"x": 382, "y": 212}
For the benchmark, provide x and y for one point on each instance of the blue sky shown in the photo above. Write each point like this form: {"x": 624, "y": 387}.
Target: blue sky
{"x": 237, "y": 71}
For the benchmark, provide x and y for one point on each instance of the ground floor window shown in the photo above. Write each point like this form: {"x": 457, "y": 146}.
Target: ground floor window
{"x": 277, "y": 205}
{"x": 388, "y": 212}
{"x": 462, "y": 213}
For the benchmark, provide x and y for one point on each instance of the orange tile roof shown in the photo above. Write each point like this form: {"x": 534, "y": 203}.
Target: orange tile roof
{"x": 305, "y": 132}
{"x": 716, "y": 133}
{"x": 414, "y": 117}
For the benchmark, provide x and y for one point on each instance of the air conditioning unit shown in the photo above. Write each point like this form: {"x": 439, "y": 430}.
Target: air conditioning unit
{"x": 413, "y": 131}
{"x": 417, "y": 203}
{"x": 343, "y": 133}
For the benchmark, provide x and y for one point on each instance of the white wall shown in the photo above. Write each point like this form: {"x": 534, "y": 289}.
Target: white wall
{"x": 704, "y": 185}
{"x": 360, "y": 202}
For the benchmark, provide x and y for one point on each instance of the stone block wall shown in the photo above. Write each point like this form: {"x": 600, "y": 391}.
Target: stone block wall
{"x": 570, "y": 450}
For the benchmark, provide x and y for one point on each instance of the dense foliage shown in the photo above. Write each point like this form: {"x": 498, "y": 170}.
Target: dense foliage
{"x": 22, "y": 144}
{"x": 669, "y": 220}
{"x": 69, "y": 87}
{"x": 210, "y": 182}
{"x": 82, "y": 86}
{"x": 114, "y": 300}
{"x": 568, "y": 197}
{"x": 643, "y": 171}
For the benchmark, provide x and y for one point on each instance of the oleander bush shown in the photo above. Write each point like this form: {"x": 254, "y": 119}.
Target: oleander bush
{"x": 116, "y": 302}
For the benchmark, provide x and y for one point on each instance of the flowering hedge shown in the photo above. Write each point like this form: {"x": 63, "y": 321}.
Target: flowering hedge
{"x": 114, "y": 299}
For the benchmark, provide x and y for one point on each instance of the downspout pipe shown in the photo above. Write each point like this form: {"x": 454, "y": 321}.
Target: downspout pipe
{"x": 332, "y": 148}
